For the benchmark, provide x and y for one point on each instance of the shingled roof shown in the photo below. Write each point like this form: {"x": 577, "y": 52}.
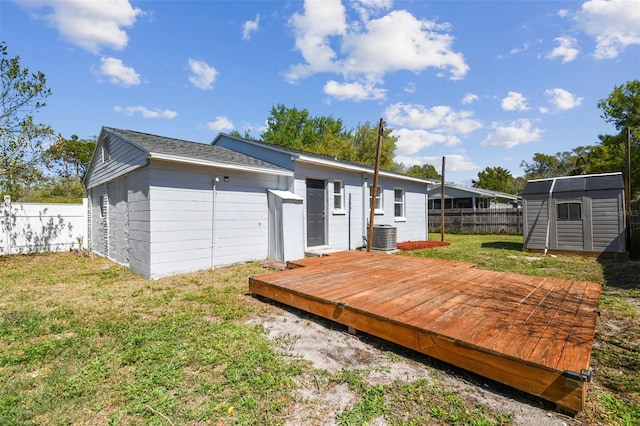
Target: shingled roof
{"x": 178, "y": 149}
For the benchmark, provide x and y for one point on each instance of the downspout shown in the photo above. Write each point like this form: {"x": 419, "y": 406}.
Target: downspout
{"x": 546, "y": 242}
{"x": 349, "y": 223}
{"x": 213, "y": 223}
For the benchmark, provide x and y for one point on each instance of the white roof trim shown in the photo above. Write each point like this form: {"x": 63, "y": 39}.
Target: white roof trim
{"x": 177, "y": 159}
{"x": 575, "y": 176}
{"x": 362, "y": 169}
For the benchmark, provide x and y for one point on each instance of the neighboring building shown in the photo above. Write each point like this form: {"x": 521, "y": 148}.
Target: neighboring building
{"x": 163, "y": 206}
{"x": 458, "y": 196}
{"x": 575, "y": 213}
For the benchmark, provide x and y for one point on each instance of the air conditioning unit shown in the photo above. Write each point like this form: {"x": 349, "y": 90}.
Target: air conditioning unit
{"x": 384, "y": 237}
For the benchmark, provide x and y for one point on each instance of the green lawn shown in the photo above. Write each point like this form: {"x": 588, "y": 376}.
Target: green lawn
{"x": 85, "y": 341}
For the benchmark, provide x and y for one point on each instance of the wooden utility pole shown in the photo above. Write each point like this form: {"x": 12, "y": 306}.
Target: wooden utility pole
{"x": 627, "y": 189}
{"x": 442, "y": 203}
{"x": 374, "y": 189}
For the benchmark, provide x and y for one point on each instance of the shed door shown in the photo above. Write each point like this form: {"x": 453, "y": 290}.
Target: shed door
{"x": 315, "y": 212}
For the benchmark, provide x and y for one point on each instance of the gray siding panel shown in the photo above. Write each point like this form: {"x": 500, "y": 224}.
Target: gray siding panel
{"x": 124, "y": 158}
{"x": 139, "y": 222}
{"x": 536, "y": 219}
{"x": 569, "y": 235}
{"x": 119, "y": 221}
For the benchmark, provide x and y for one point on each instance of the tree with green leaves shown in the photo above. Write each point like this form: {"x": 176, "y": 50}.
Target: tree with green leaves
{"x": 426, "y": 171}
{"x": 22, "y": 139}
{"x": 494, "y": 179}
{"x": 69, "y": 158}
{"x": 365, "y": 145}
{"x": 622, "y": 109}
{"x": 297, "y": 129}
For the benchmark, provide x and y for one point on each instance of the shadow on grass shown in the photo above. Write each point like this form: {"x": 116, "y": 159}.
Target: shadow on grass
{"x": 503, "y": 245}
{"x": 619, "y": 273}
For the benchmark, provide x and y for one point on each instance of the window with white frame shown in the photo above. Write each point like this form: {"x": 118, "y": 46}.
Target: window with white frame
{"x": 338, "y": 196}
{"x": 398, "y": 202}
{"x": 379, "y": 202}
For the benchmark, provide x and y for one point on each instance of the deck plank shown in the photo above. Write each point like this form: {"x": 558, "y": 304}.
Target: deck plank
{"x": 520, "y": 330}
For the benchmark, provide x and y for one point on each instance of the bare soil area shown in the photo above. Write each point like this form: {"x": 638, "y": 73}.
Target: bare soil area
{"x": 328, "y": 347}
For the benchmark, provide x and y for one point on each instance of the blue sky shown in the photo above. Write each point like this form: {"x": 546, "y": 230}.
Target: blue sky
{"x": 484, "y": 83}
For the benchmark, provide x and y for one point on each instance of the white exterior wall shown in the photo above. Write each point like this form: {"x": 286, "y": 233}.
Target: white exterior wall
{"x": 195, "y": 226}
{"x": 411, "y": 227}
{"x": 355, "y": 215}
{"x": 338, "y": 222}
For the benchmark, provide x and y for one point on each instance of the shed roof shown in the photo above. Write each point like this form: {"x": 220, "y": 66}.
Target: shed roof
{"x": 170, "y": 149}
{"x": 434, "y": 192}
{"x": 579, "y": 183}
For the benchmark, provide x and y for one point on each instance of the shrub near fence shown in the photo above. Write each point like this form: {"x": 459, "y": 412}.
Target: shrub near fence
{"x": 478, "y": 221}
{"x": 39, "y": 227}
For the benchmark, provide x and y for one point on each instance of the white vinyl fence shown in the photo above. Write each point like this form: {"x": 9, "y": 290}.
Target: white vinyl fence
{"x": 39, "y": 227}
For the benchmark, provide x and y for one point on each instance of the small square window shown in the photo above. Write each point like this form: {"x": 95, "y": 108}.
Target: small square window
{"x": 569, "y": 211}
{"x": 398, "y": 202}
{"x": 379, "y": 206}
{"x": 338, "y": 199}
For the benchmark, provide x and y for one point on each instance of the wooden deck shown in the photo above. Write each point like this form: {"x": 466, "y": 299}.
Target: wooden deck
{"x": 532, "y": 333}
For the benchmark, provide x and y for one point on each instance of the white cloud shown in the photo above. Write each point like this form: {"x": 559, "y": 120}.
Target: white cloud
{"x": 202, "y": 74}
{"x": 566, "y": 49}
{"x": 117, "y": 72}
{"x": 91, "y": 25}
{"x": 514, "y": 102}
{"x": 407, "y": 43}
{"x": 220, "y": 124}
{"x": 250, "y": 27}
{"x": 419, "y": 127}
{"x": 410, "y": 88}
{"x": 562, "y": 99}
{"x": 516, "y": 133}
{"x": 353, "y": 91}
{"x": 613, "y": 24}
{"x": 469, "y": 98}
{"x": 313, "y": 29}
{"x": 367, "y": 49}
{"x": 145, "y": 112}
{"x": 411, "y": 141}
{"x": 563, "y": 13}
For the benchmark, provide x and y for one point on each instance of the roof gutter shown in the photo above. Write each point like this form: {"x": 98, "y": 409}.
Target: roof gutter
{"x": 185, "y": 160}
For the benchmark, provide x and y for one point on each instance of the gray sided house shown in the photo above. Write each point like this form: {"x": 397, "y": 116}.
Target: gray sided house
{"x": 164, "y": 206}
{"x": 458, "y": 196}
{"x": 575, "y": 213}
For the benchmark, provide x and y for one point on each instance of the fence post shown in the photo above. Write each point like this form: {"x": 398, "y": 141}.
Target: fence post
{"x": 5, "y": 220}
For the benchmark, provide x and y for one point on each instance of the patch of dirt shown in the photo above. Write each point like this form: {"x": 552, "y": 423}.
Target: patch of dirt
{"x": 419, "y": 245}
{"x": 328, "y": 346}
